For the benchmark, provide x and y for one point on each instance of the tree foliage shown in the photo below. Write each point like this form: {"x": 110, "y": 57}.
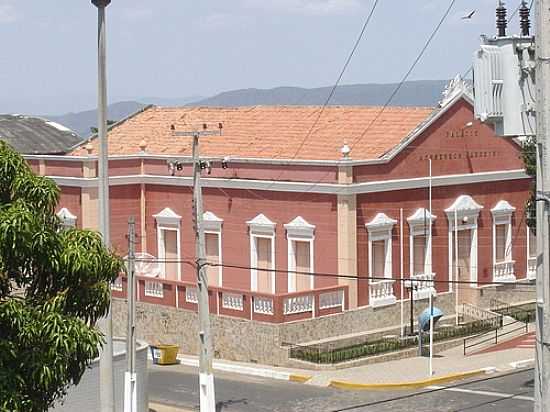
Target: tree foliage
{"x": 529, "y": 156}
{"x": 54, "y": 285}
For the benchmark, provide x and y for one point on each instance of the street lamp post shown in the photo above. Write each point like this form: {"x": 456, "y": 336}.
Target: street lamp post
{"x": 107, "y": 403}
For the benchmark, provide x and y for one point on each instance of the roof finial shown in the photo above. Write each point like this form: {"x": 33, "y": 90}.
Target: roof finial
{"x": 89, "y": 148}
{"x": 143, "y": 145}
{"x": 345, "y": 150}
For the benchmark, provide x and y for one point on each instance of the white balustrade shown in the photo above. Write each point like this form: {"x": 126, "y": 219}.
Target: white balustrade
{"x": 191, "y": 295}
{"x": 263, "y": 305}
{"x": 117, "y": 284}
{"x": 532, "y": 268}
{"x": 381, "y": 293}
{"x": 298, "y": 304}
{"x": 422, "y": 284}
{"x": 330, "y": 300}
{"x": 232, "y": 301}
{"x": 504, "y": 271}
{"x": 154, "y": 288}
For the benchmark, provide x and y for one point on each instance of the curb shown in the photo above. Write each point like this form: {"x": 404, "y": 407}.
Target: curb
{"x": 522, "y": 363}
{"x": 248, "y": 370}
{"x": 408, "y": 385}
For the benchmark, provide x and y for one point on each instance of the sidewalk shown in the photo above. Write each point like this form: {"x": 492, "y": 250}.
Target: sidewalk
{"x": 412, "y": 372}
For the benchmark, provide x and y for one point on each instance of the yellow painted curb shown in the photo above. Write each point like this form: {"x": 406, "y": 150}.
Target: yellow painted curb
{"x": 298, "y": 378}
{"x": 405, "y": 385}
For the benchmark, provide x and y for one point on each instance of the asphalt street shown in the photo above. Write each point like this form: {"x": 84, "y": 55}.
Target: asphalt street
{"x": 178, "y": 386}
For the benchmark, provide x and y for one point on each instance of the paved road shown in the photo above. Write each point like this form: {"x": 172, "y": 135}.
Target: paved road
{"x": 178, "y": 386}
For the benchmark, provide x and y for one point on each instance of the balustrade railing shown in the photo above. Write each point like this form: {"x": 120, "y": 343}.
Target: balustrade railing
{"x": 117, "y": 284}
{"x": 422, "y": 285}
{"x": 504, "y": 271}
{"x": 329, "y": 300}
{"x": 191, "y": 295}
{"x": 153, "y": 288}
{"x": 232, "y": 301}
{"x": 263, "y": 305}
{"x": 298, "y": 304}
{"x": 381, "y": 293}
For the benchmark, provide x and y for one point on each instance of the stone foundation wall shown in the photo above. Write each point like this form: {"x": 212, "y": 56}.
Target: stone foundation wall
{"x": 253, "y": 341}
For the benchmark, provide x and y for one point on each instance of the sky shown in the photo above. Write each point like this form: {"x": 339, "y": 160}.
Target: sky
{"x": 179, "y": 48}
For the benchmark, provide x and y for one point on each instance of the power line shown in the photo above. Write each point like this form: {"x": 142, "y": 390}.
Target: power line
{"x": 407, "y": 74}
{"x": 327, "y": 274}
{"x": 348, "y": 60}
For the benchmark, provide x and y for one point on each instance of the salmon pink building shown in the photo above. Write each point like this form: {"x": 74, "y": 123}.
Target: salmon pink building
{"x": 341, "y": 193}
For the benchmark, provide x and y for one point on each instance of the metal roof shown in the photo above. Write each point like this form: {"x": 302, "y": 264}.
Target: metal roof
{"x": 35, "y": 135}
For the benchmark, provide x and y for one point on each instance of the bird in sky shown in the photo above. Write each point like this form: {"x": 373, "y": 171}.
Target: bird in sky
{"x": 469, "y": 16}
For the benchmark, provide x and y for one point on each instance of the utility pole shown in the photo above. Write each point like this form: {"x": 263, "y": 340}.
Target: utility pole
{"x": 542, "y": 54}
{"x": 106, "y": 379}
{"x": 206, "y": 378}
{"x": 130, "y": 378}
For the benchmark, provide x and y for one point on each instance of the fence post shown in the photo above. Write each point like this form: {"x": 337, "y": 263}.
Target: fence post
{"x": 464, "y": 346}
{"x": 496, "y": 336}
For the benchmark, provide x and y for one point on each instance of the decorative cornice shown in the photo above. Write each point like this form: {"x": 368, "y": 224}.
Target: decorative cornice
{"x": 420, "y": 217}
{"x": 380, "y": 222}
{"x": 211, "y": 222}
{"x": 167, "y": 217}
{"x": 309, "y": 187}
{"x": 261, "y": 224}
{"x": 299, "y": 227}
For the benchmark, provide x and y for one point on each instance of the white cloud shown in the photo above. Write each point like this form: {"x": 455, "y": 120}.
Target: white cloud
{"x": 308, "y": 7}
{"x": 7, "y": 13}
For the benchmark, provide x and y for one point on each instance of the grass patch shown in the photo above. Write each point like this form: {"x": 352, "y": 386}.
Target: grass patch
{"x": 325, "y": 354}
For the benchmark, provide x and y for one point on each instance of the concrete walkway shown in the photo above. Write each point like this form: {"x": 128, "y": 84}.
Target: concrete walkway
{"x": 157, "y": 407}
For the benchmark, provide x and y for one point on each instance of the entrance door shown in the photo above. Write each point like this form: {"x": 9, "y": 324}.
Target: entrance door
{"x": 171, "y": 254}
{"x": 465, "y": 292}
{"x": 264, "y": 258}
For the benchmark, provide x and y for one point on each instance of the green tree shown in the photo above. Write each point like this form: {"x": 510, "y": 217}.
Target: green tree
{"x": 53, "y": 288}
{"x": 529, "y": 156}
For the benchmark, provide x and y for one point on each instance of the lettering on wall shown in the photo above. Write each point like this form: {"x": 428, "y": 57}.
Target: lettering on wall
{"x": 459, "y": 155}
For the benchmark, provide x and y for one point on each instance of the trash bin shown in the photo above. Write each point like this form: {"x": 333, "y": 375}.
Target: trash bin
{"x": 164, "y": 354}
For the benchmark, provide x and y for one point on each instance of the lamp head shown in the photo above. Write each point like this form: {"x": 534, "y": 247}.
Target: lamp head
{"x": 101, "y": 3}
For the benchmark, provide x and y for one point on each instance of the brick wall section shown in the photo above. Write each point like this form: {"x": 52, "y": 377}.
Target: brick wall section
{"x": 454, "y": 148}
{"x": 124, "y": 202}
{"x": 236, "y": 207}
{"x": 486, "y": 194}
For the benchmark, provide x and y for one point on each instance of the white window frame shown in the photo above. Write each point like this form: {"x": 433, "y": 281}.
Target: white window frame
{"x": 261, "y": 227}
{"x": 528, "y": 273}
{"x": 419, "y": 223}
{"x": 166, "y": 220}
{"x": 212, "y": 224}
{"x": 467, "y": 212}
{"x": 380, "y": 228}
{"x": 502, "y": 215}
{"x": 299, "y": 230}
{"x": 68, "y": 220}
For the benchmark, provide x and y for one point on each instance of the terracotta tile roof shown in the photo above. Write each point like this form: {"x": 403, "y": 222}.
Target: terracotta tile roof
{"x": 274, "y": 132}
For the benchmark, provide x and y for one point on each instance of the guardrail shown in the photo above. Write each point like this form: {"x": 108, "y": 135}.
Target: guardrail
{"x": 273, "y": 308}
{"x": 494, "y": 335}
